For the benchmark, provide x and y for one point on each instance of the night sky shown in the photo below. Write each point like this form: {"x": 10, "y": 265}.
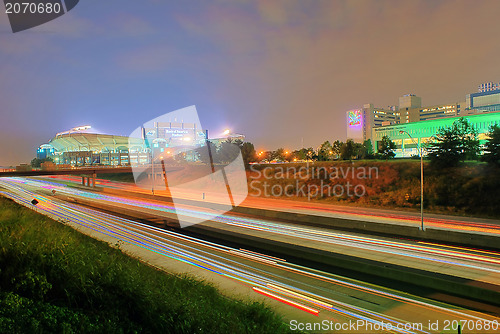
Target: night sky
{"x": 276, "y": 71}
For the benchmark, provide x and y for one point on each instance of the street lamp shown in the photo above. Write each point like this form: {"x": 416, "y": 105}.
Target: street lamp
{"x": 152, "y": 171}
{"x": 420, "y": 150}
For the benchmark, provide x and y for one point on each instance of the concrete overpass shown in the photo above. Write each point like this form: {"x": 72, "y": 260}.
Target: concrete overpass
{"x": 88, "y": 174}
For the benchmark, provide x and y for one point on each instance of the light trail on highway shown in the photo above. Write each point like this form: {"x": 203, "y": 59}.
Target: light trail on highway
{"x": 355, "y": 213}
{"x": 315, "y": 292}
{"x": 468, "y": 260}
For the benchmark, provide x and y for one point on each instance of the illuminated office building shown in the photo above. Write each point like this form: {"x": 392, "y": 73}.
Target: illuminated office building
{"x": 485, "y": 101}
{"x": 422, "y": 131}
{"x": 364, "y": 123}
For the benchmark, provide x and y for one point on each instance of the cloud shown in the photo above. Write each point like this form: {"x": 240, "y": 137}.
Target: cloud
{"x": 127, "y": 25}
{"x": 273, "y": 12}
{"x": 276, "y": 71}
{"x": 300, "y": 65}
{"x": 147, "y": 59}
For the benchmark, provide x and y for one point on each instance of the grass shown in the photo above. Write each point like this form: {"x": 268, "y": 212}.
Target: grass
{"x": 56, "y": 280}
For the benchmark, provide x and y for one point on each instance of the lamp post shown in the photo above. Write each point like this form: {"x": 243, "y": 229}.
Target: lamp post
{"x": 152, "y": 171}
{"x": 421, "y": 179}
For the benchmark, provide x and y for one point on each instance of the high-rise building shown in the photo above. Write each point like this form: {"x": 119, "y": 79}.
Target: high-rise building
{"x": 422, "y": 132}
{"x": 409, "y": 105}
{"x": 410, "y": 101}
{"x": 356, "y": 127}
{"x": 362, "y": 122}
{"x": 441, "y": 111}
{"x": 488, "y": 86}
{"x": 481, "y": 102}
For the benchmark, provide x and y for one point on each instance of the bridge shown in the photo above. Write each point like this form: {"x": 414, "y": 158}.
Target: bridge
{"x": 88, "y": 174}
{"x": 68, "y": 171}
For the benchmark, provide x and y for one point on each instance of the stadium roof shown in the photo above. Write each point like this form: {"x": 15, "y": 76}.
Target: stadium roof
{"x": 93, "y": 142}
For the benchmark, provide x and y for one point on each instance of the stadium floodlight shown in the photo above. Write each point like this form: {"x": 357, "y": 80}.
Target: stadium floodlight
{"x": 81, "y": 128}
{"x": 190, "y": 169}
{"x": 75, "y": 129}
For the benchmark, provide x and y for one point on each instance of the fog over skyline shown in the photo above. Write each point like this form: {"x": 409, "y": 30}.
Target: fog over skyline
{"x": 275, "y": 71}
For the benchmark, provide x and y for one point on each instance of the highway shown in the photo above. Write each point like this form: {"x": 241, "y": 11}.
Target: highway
{"x": 451, "y": 223}
{"x": 472, "y": 264}
{"x": 318, "y": 295}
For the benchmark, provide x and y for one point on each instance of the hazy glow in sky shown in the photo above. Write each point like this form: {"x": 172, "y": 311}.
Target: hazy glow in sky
{"x": 276, "y": 71}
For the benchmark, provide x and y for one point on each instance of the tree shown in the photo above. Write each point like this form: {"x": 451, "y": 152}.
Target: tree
{"x": 359, "y": 151}
{"x": 468, "y": 134}
{"x": 337, "y": 148}
{"x": 368, "y": 149}
{"x": 454, "y": 144}
{"x": 248, "y": 153}
{"x": 227, "y": 152}
{"x": 36, "y": 163}
{"x": 289, "y": 156}
{"x": 300, "y": 154}
{"x": 492, "y": 146}
{"x": 325, "y": 151}
{"x": 278, "y": 155}
{"x": 386, "y": 148}
{"x": 265, "y": 156}
{"x": 203, "y": 153}
{"x": 348, "y": 150}
{"x": 444, "y": 152}
{"x": 311, "y": 154}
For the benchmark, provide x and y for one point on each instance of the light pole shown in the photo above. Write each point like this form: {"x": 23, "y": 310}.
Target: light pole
{"x": 421, "y": 179}
{"x": 152, "y": 171}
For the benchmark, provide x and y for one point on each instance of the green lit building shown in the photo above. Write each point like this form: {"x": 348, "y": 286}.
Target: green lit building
{"x": 423, "y": 131}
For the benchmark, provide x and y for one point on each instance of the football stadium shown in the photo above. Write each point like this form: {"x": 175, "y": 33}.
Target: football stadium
{"x": 80, "y": 147}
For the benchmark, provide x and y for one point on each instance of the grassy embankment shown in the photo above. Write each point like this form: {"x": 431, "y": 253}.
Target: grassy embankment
{"x": 472, "y": 189}
{"x": 56, "y": 280}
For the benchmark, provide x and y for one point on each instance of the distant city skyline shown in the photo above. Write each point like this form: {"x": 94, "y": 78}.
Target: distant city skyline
{"x": 275, "y": 71}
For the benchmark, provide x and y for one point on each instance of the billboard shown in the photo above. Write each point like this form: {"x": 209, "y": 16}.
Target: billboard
{"x": 355, "y": 122}
{"x": 355, "y": 118}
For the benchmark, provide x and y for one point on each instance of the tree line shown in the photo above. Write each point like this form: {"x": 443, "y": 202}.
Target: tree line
{"x": 460, "y": 142}
{"x": 336, "y": 150}
{"x": 449, "y": 147}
